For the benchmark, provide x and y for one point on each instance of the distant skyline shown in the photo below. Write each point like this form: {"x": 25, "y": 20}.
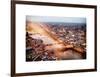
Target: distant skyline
{"x": 55, "y": 19}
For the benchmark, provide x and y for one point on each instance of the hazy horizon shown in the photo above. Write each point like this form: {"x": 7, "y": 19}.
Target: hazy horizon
{"x": 51, "y": 19}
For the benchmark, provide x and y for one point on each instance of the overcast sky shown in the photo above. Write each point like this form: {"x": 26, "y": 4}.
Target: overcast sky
{"x": 56, "y": 19}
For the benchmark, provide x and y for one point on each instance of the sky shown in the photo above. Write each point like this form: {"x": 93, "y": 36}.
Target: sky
{"x": 55, "y": 19}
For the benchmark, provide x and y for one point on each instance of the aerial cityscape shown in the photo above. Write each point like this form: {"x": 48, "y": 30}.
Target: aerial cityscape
{"x": 55, "y": 38}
